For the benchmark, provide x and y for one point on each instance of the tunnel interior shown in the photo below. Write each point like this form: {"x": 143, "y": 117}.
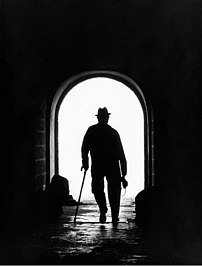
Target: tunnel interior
{"x": 156, "y": 44}
{"x": 71, "y": 123}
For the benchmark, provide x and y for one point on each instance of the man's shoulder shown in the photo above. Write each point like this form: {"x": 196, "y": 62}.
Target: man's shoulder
{"x": 100, "y": 127}
{"x": 113, "y": 129}
{"x": 92, "y": 128}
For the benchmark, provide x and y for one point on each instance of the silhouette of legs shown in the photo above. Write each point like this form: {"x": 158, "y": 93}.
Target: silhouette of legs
{"x": 98, "y": 191}
{"x": 114, "y": 193}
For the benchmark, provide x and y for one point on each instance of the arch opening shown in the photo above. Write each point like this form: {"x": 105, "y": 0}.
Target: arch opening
{"x": 73, "y": 111}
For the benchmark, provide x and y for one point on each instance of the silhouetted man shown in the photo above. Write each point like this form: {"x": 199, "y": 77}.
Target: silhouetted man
{"x": 108, "y": 160}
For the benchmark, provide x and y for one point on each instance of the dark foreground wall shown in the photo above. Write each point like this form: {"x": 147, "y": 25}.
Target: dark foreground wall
{"x": 158, "y": 44}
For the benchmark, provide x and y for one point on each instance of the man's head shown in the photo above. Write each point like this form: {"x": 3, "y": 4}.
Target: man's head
{"x": 103, "y": 115}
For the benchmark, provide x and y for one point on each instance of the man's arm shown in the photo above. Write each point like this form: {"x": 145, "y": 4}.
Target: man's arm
{"x": 122, "y": 158}
{"x": 123, "y": 163}
{"x": 84, "y": 151}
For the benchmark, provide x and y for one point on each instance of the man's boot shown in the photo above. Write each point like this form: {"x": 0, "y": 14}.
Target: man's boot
{"x": 103, "y": 215}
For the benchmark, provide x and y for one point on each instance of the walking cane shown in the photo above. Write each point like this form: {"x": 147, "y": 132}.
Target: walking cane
{"x": 79, "y": 196}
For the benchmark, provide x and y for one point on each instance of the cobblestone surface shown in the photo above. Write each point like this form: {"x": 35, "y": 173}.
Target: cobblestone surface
{"x": 89, "y": 242}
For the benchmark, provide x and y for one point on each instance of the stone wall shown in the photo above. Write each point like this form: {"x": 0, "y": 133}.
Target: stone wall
{"x": 40, "y": 150}
{"x": 156, "y": 43}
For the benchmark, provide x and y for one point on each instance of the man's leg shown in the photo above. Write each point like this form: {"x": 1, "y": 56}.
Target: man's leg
{"x": 114, "y": 194}
{"x": 98, "y": 191}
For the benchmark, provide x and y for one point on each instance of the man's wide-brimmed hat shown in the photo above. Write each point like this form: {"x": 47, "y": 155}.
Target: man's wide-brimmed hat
{"x": 103, "y": 112}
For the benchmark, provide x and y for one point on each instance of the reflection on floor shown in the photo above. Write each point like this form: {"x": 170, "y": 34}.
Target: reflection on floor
{"x": 87, "y": 241}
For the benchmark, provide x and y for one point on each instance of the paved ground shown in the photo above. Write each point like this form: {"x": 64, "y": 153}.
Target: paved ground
{"x": 87, "y": 241}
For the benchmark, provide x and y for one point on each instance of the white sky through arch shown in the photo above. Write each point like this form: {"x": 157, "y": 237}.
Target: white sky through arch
{"x": 77, "y": 112}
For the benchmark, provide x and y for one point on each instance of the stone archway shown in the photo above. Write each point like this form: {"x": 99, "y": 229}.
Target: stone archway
{"x": 71, "y": 83}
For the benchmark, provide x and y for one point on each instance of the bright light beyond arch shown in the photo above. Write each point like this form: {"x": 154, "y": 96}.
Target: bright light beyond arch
{"x": 77, "y": 112}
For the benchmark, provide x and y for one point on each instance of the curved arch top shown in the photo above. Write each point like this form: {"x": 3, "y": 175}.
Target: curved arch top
{"x": 67, "y": 85}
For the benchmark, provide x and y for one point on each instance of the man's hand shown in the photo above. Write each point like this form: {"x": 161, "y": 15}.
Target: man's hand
{"x": 85, "y": 167}
{"x": 124, "y": 182}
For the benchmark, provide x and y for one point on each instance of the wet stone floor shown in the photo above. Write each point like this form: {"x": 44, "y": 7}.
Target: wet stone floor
{"x": 89, "y": 242}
